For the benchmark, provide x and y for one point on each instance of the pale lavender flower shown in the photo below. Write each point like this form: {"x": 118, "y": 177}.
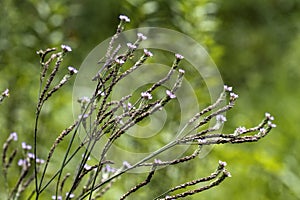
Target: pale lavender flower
{"x": 240, "y": 130}
{"x": 26, "y": 146}
{"x": 170, "y": 94}
{"x": 84, "y": 100}
{"x": 108, "y": 169}
{"x": 131, "y": 46}
{"x": 30, "y": 155}
{"x": 148, "y": 53}
{"x": 178, "y": 56}
{"x": 221, "y": 118}
{"x": 14, "y": 136}
{"x": 262, "y": 130}
{"x": 157, "y": 161}
{"x": 126, "y": 164}
{"x": 141, "y": 36}
{"x": 87, "y": 167}
{"x": 21, "y": 162}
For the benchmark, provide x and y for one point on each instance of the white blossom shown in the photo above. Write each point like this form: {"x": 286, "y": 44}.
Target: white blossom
{"x": 66, "y": 48}
{"x": 178, "y": 56}
{"x": 170, "y": 94}
{"x": 124, "y": 18}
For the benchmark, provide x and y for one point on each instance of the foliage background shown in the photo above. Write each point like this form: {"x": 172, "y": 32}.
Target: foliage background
{"x": 255, "y": 44}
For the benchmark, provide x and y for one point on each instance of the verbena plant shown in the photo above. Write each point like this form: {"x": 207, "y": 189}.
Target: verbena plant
{"x": 103, "y": 119}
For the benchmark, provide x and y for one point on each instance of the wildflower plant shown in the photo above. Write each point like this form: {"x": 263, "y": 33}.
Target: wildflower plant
{"x": 104, "y": 115}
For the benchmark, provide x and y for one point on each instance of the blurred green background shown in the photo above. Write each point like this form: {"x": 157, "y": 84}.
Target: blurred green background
{"x": 255, "y": 44}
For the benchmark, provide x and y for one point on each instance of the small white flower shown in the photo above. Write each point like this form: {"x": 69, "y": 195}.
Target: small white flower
{"x": 130, "y": 106}
{"x": 146, "y": 95}
{"x": 58, "y": 197}
{"x": 269, "y": 116}
{"x": 126, "y": 164}
{"x": 227, "y": 173}
{"x": 6, "y": 93}
{"x": 170, "y": 94}
{"x": 270, "y": 124}
{"x": 240, "y": 130}
{"x": 26, "y": 146}
{"x": 72, "y": 70}
{"x": 66, "y": 48}
{"x": 21, "y": 162}
{"x": 87, "y": 167}
{"x": 233, "y": 96}
{"x": 119, "y": 61}
{"x": 14, "y": 136}
{"x": 108, "y": 169}
{"x": 148, "y": 53}
{"x": 181, "y": 71}
{"x": 262, "y": 130}
{"x": 30, "y": 155}
{"x": 85, "y": 116}
{"x": 178, "y": 56}
{"x": 227, "y": 88}
{"x": 71, "y": 195}
{"x": 141, "y": 36}
{"x": 40, "y": 161}
{"x": 157, "y": 161}
{"x": 221, "y": 118}
{"x": 84, "y": 100}
{"x": 222, "y": 163}
{"x": 131, "y": 46}
{"x": 124, "y": 18}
